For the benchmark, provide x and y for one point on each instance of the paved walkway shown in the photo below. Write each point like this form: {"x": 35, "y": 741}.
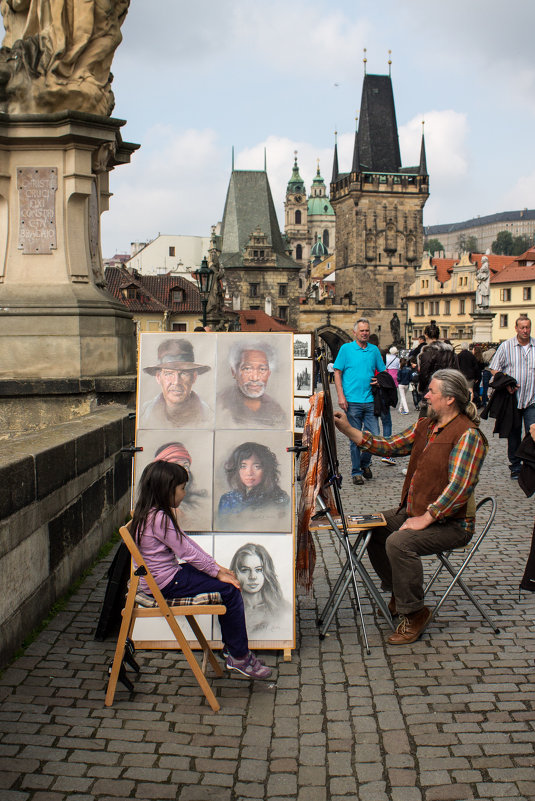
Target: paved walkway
{"x": 450, "y": 717}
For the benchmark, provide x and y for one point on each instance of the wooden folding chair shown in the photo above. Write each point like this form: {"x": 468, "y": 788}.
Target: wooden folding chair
{"x": 162, "y": 608}
{"x": 456, "y": 571}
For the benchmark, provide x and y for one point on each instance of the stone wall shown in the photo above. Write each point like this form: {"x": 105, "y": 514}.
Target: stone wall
{"x": 62, "y": 492}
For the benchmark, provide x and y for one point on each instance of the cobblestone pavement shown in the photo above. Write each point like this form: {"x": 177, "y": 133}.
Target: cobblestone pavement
{"x": 449, "y": 717}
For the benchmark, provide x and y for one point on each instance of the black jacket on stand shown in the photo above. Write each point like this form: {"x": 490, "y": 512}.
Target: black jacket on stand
{"x": 385, "y": 393}
{"x": 526, "y": 482}
{"x": 503, "y": 405}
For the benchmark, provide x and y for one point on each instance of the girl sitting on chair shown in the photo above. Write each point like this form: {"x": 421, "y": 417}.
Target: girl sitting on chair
{"x": 162, "y": 542}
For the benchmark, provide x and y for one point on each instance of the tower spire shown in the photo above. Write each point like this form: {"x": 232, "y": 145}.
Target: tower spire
{"x": 423, "y": 160}
{"x": 355, "y": 167}
{"x": 365, "y": 61}
{"x": 335, "y": 159}
{"x": 232, "y": 158}
{"x": 389, "y": 63}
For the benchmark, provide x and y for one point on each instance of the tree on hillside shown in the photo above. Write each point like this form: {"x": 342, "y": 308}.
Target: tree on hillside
{"x": 521, "y": 244}
{"x": 468, "y": 243}
{"x": 433, "y": 246}
{"x": 503, "y": 244}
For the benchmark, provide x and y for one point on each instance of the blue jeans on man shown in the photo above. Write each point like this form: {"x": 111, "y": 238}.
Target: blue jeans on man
{"x": 515, "y": 438}
{"x": 361, "y": 416}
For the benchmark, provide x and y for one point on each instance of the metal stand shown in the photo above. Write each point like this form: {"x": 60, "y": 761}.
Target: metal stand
{"x": 355, "y": 552}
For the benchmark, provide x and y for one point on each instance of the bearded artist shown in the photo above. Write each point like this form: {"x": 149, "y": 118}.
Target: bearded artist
{"x": 437, "y": 508}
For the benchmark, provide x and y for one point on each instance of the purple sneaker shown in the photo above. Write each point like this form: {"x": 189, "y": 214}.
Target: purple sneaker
{"x": 250, "y": 666}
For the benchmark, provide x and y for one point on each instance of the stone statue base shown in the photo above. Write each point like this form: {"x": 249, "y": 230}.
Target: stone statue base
{"x": 482, "y": 325}
{"x": 56, "y": 318}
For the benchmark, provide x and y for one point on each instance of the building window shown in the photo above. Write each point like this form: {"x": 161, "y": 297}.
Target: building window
{"x": 445, "y": 333}
{"x": 179, "y": 327}
{"x": 473, "y": 302}
{"x": 253, "y": 290}
{"x": 298, "y": 252}
{"x": 504, "y": 320}
{"x": 171, "y": 250}
{"x": 462, "y": 304}
{"x": 283, "y": 313}
{"x": 283, "y": 290}
{"x": 326, "y": 238}
{"x": 177, "y": 295}
{"x": 434, "y": 307}
{"x": 447, "y": 307}
{"x": 298, "y": 217}
{"x": 420, "y": 310}
{"x": 505, "y": 295}
{"x": 527, "y": 293}
{"x": 389, "y": 294}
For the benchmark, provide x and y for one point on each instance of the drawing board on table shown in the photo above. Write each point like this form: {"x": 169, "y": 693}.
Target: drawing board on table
{"x": 176, "y": 381}
{"x": 253, "y": 385}
{"x": 194, "y": 451}
{"x": 263, "y": 564}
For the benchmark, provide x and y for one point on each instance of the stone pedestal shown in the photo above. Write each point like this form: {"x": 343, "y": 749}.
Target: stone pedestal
{"x": 482, "y": 327}
{"x": 56, "y": 318}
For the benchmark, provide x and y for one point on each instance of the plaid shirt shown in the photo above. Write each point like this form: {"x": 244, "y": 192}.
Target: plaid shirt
{"x": 511, "y": 358}
{"x": 464, "y": 464}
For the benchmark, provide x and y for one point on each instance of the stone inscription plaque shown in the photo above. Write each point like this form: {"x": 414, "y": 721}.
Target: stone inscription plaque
{"x": 37, "y": 209}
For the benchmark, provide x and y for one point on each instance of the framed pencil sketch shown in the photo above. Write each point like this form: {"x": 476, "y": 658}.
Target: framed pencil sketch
{"x": 176, "y": 381}
{"x": 303, "y": 372}
{"x": 301, "y": 407}
{"x": 302, "y": 346}
{"x": 252, "y": 481}
{"x": 150, "y": 630}
{"x": 194, "y": 451}
{"x": 254, "y": 384}
{"x": 263, "y": 565}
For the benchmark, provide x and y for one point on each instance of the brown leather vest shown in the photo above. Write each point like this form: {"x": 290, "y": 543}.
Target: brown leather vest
{"x": 428, "y": 465}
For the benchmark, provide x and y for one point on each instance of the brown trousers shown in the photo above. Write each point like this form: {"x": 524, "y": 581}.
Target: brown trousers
{"x": 395, "y": 556}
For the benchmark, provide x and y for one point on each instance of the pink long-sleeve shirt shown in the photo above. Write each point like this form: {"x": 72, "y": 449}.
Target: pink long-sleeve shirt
{"x": 162, "y": 547}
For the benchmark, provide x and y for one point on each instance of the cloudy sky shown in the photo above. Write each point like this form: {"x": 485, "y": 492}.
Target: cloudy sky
{"x": 194, "y": 79}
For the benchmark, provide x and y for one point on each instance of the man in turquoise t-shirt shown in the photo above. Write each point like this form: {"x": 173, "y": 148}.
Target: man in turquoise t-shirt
{"x": 354, "y": 368}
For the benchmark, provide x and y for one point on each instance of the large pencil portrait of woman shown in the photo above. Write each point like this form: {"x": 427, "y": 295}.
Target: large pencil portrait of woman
{"x": 263, "y": 565}
{"x": 253, "y": 499}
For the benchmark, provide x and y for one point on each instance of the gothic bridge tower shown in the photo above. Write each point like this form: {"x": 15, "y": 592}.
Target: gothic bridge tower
{"x": 379, "y": 214}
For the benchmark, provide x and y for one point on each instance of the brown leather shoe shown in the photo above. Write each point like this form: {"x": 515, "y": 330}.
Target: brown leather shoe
{"x": 391, "y": 607}
{"x": 410, "y": 627}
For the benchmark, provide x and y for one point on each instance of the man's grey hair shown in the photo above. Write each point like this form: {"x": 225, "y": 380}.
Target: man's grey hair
{"x": 361, "y": 320}
{"x": 454, "y": 385}
{"x": 238, "y": 348}
{"x": 524, "y": 318}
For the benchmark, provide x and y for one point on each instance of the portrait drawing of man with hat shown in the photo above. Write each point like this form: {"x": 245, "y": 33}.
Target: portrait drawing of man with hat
{"x": 177, "y": 405}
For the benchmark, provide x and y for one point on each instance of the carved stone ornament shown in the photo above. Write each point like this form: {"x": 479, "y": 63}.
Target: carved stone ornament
{"x": 57, "y": 55}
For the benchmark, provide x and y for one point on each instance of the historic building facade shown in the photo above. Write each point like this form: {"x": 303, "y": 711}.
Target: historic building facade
{"x": 308, "y": 220}
{"x": 379, "y": 214}
{"x": 259, "y": 273}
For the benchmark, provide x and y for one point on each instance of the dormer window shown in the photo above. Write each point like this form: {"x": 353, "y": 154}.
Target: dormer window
{"x": 130, "y": 292}
{"x": 177, "y": 295}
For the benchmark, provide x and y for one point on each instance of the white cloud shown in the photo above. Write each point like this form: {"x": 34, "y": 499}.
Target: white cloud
{"x": 174, "y": 184}
{"x": 521, "y": 195}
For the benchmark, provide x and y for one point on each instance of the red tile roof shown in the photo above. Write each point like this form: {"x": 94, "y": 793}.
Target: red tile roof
{"x": 153, "y": 292}
{"x": 258, "y": 320}
{"x": 521, "y": 268}
{"x": 443, "y": 267}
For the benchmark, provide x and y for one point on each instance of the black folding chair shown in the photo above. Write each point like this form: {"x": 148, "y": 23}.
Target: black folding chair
{"x": 456, "y": 571}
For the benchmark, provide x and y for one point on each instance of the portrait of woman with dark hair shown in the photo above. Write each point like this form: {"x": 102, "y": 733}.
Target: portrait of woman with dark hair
{"x": 266, "y": 610}
{"x": 252, "y": 473}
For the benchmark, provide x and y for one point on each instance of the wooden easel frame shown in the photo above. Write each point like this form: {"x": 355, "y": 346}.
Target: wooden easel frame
{"x": 131, "y": 612}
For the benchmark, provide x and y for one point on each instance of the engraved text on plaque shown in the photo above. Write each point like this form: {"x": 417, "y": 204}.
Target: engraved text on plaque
{"x": 37, "y": 209}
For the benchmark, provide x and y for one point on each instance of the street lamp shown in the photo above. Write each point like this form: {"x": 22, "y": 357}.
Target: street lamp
{"x": 204, "y": 277}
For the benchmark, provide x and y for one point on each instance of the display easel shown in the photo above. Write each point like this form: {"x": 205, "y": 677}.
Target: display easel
{"x": 354, "y": 551}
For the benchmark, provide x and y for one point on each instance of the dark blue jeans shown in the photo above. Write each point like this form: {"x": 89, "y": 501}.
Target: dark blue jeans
{"x": 189, "y": 581}
{"x": 515, "y": 437}
{"x": 361, "y": 416}
{"x": 386, "y": 420}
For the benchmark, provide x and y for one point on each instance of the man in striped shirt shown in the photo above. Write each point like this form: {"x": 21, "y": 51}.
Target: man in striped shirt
{"x": 437, "y": 507}
{"x": 516, "y": 358}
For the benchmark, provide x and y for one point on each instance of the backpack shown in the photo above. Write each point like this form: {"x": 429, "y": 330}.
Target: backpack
{"x": 433, "y": 358}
